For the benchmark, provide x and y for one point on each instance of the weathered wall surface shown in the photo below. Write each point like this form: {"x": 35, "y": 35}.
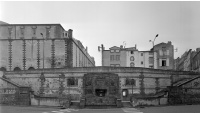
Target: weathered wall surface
{"x": 4, "y": 51}
{"x": 12, "y": 93}
{"x": 53, "y": 84}
{"x": 38, "y": 46}
{"x": 26, "y": 54}
{"x": 187, "y": 93}
{"x": 29, "y": 31}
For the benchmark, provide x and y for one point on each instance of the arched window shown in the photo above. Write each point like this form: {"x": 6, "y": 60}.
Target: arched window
{"x": 31, "y": 68}
{"x": 2, "y": 69}
{"x": 17, "y": 69}
{"x": 132, "y": 64}
{"x": 132, "y": 58}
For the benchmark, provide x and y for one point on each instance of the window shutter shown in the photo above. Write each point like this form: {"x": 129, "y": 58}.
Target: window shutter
{"x": 160, "y": 62}
{"x": 167, "y": 62}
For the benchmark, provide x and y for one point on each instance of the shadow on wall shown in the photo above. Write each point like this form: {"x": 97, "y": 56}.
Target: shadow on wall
{"x": 31, "y": 68}
{"x": 17, "y": 69}
{"x": 2, "y": 69}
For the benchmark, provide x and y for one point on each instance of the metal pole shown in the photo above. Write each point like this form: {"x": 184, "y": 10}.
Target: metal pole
{"x": 102, "y": 57}
{"x": 153, "y": 55}
{"x": 132, "y": 86}
{"x": 43, "y": 52}
{"x": 153, "y": 48}
{"x": 43, "y": 49}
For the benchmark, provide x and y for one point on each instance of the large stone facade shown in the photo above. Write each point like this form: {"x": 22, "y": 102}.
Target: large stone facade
{"x": 38, "y": 46}
{"x": 189, "y": 61}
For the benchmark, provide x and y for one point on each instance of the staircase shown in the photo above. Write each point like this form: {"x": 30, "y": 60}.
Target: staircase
{"x": 13, "y": 94}
{"x": 127, "y": 104}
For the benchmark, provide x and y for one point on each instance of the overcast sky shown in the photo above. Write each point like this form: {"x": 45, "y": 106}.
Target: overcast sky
{"x": 112, "y": 23}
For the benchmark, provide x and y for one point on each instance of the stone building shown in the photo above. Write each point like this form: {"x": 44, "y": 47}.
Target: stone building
{"x": 196, "y": 61}
{"x": 176, "y": 62}
{"x": 188, "y": 61}
{"x": 38, "y": 46}
{"x": 128, "y": 57}
{"x": 165, "y": 55}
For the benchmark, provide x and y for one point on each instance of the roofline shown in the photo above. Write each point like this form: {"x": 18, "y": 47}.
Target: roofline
{"x": 131, "y": 50}
{"x": 31, "y": 25}
{"x": 196, "y": 54}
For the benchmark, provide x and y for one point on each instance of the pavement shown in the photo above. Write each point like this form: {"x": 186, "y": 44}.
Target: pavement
{"x": 164, "y": 109}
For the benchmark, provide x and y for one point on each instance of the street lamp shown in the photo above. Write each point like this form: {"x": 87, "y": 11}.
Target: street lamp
{"x": 153, "y": 47}
{"x": 43, "y": 49}
{"x": 153, "y": 41}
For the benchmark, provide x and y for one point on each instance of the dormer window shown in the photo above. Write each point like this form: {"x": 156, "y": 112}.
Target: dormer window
{"x": 112, "y": 51}
{"x": 117, "y": 51}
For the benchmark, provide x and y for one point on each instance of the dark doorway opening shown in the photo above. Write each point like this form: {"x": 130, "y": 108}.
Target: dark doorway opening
{"x": 31, "y": 68}
{"x": 2, "y": 69}
{"x": 17, "y": 69}
{"x": 100, "y": 92}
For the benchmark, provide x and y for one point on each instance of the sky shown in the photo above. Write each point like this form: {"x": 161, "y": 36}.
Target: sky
{"x": 114, "y": 23}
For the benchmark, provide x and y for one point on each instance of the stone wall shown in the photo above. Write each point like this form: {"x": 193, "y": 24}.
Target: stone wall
{"x": 12, "y": 93}
{"x": 188, "y": 92}
{"x": 52, "y": 84}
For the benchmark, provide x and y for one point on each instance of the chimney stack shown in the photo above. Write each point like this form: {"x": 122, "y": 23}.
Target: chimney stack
{"x": 70, "y": 31}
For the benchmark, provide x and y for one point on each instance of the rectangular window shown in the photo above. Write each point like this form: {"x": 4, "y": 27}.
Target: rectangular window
{"x": 164, "y": 50}
{"x": 164, "y": 62}
{"x": 117, "y": 51}
{"x": 141, "y": 62}
{"x": 112, "y": 57}
{"x": 112, "y": 65}
{"x": 129, "y": 81}
{"x": 167, "y": 52}
{"x": 141, "y": 54}
{"x": 150, "y": 60}
{"x": 117, "y": 57}
{"x": 160, "y": 52}
{"x": 132, "y": 52}
{"x": 112, "y": 51}
{"x": 72, "y": 81}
